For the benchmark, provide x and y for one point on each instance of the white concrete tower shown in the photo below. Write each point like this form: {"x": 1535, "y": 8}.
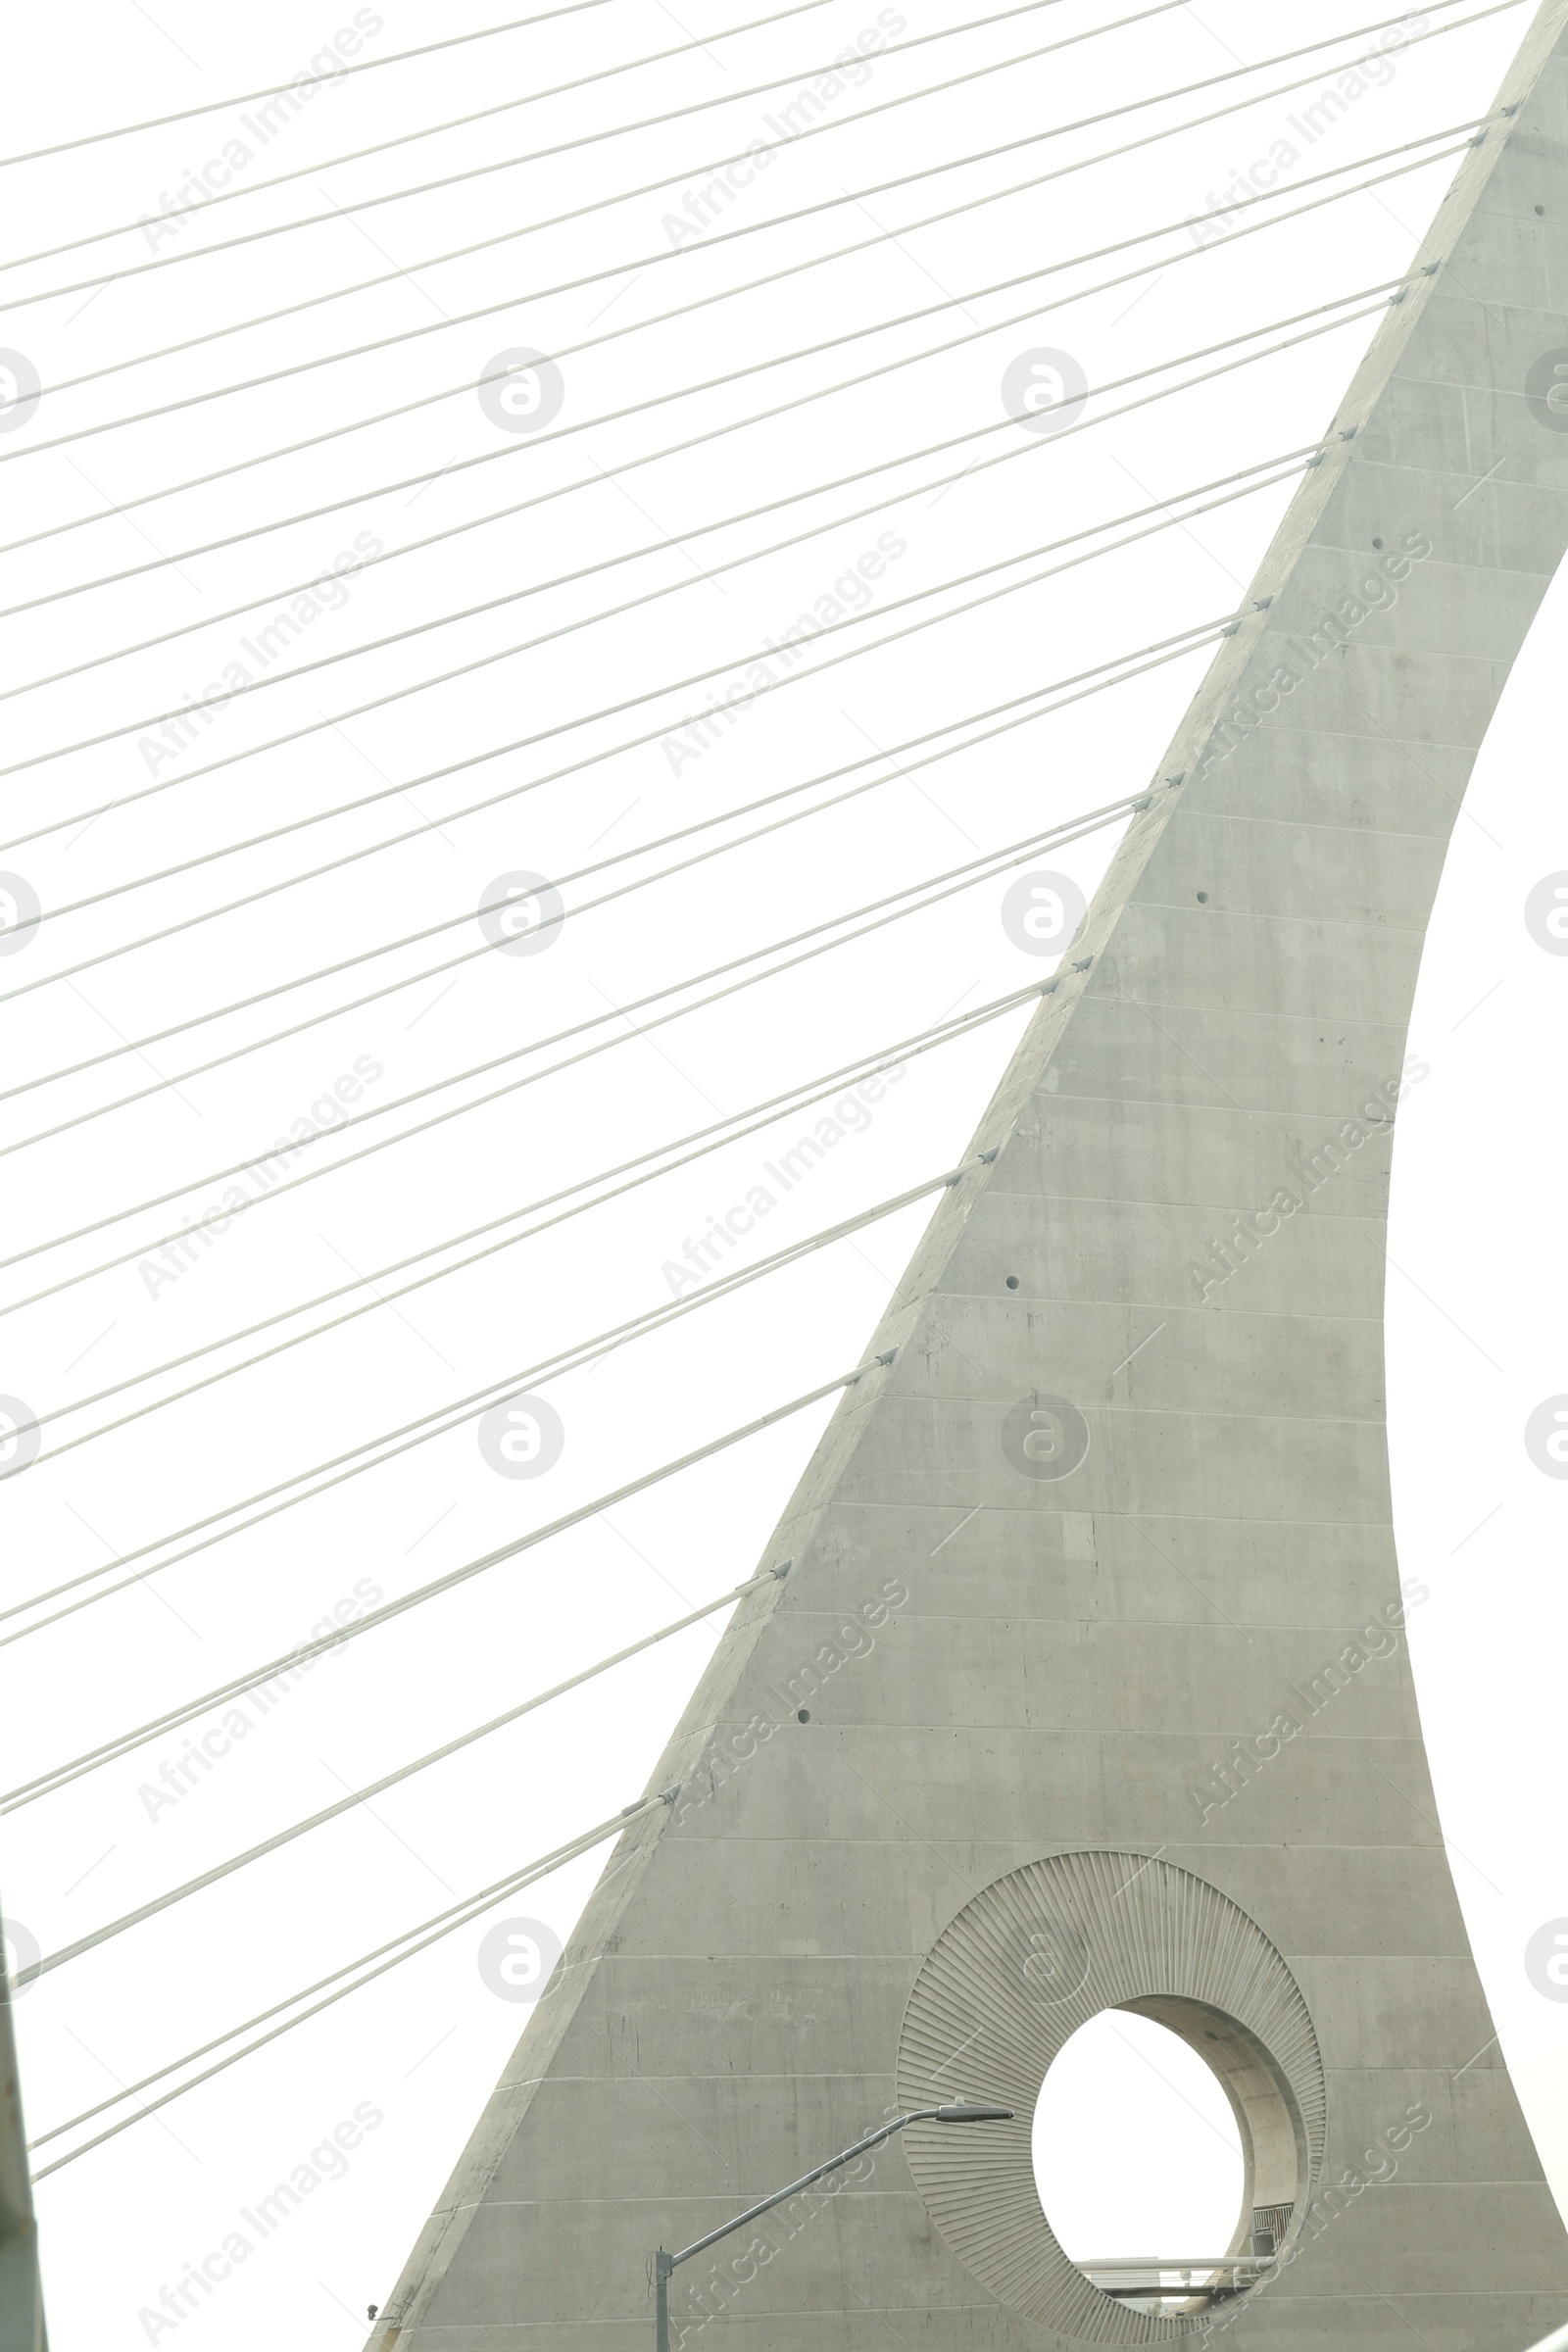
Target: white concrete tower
{"x": 1142, "y": 1731}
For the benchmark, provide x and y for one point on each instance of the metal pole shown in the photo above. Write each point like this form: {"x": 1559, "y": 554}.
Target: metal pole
{"x": 663, "y": 2264}
{"x": 21, "y": 2290}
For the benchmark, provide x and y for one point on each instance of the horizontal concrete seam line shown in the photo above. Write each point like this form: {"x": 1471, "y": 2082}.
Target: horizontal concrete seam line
{"x": 913, "y": 1613}
{"x": 1059, "y": 1198}
{"x": 1323, "y": 733}
{"x": 897, "y": 1966}
{"x": 1382, "y": 457}
{"x": 692, "y": 2194}
{"x": 694, "y": 2082}
{"x": 972, "y": 1843}
{"x": 1110, "y": 1514}
{"x": 1269, "y": 820}
{"x": 1064, "y": 1303}
{"x": 1446, "y": 282}
{"x": 1387, "y": 656}
{"x": 1434, "y": 566}
{"x": 868, "y": 2191}
{"x": 1381, "y": 652}
{"x": 1434, "y": 2300}
{"x": 1097, "y": 991}
{"x": 1461, "y": 567}
{"x": 1311, "y": 825}
{"x": 1157, "y": 1102}
{"x": 1162, "y": 1629}
{"x": 876, "y": 2074}
{"x": 1090, "y": 1301}
{"x": 722, "y": 2200}
{"x": 1080, "y": 1843}
{"x": 1432, "y": 747}
{"x": 1260, "y": 1023}
{"x": 1219, "y": 812}
{"x": 1155, "y": 1515}
{"x": 1056, "y": 1199}
{"x": 1551, "y": 313}
{"x": 1196, "y": 1739}
{"x": 1264, "y": 1026}
{"x": 849, "y": 1843}
{"x": 1347, "y": 928}
{"x": 762, "y": 2074}
{"x": 1056, "y": 1195}
{"x": 1211, "y": 1106}
{"x": 1485, "y": 567}
{"x": 1071, "y": 1728}
{"x": 1074, "y": 1730}
{"x": 1445, "y": 474}
{"x": 1164, "y": 1104}
{"x": 889, "y": 1962}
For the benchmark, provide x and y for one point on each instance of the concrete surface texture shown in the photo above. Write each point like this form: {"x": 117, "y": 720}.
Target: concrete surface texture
{"x": 1088, "y": 1681}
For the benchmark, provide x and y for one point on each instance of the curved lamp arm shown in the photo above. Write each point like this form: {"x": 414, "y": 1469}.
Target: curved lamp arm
{"x": 957, "y": 2112}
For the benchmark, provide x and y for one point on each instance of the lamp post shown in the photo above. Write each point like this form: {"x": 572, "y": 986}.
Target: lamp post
{"x": 960, "y": 2112}
{"x": 21, "y": 2327}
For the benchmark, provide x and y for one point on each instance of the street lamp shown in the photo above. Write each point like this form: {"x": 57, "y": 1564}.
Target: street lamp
{"x": 961, "y": 2112}
{"x": 21, "y": 2327}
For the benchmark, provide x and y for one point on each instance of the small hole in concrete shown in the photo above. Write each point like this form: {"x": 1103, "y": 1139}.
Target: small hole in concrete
{"x": 1013, "y": 1282}
{"x": 1541, "y": 211}
{"x": 803, "y": 1715}
{"x": 1203, "y": 897}
{"x": 1377, "y": 543}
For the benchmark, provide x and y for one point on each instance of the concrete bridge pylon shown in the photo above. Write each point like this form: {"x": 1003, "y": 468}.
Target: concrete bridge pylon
{"x": 1089, "y": 1684}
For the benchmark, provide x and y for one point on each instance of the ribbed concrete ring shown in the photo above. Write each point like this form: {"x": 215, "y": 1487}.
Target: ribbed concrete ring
{"x": 1029, "y": 1960}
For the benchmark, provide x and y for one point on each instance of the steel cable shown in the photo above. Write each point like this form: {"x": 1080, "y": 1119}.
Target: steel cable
{"x": 351, "y": 1458}
{"x": 722, "y": 1132}
{"x": 126, "y": 228}
{"x": 1267, "y": 474}
{"x": 779, "y": 1260}
{"x": 49, "y": 1784}
{"x": 462, "y": 252}
{"x": 454, "y": 1576}
{"x": 274, "y": 89}
{"x": 125, "y": 507}
{"x": 668, "y": 539}
{"x": 642, "y": 263}
{"x": 727, "y": 98}
{"x": 670, "y": 686}
{"x": 1270, "y": 477}
{"x": 461, "y": 1915}
{"x": 956, "y": 878}
{"x": 703, "y": 1140}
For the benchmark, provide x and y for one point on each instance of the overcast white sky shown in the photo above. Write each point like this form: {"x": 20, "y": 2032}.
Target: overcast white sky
{"x": 1479, "y": 1299}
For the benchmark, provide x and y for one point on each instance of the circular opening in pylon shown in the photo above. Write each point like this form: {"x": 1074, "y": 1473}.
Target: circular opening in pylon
{"x": 1146, "y": 2157}
{"x": 1010, "y": 1982}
